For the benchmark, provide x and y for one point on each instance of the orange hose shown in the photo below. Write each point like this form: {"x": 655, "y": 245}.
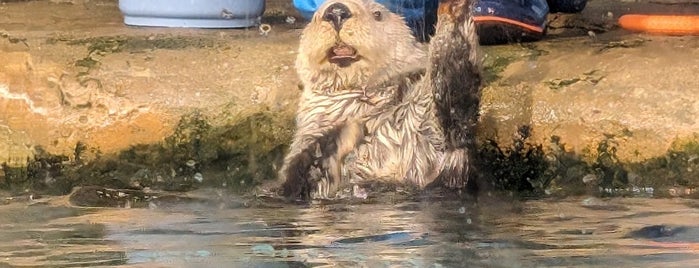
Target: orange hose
{"x": 661, "y": 24}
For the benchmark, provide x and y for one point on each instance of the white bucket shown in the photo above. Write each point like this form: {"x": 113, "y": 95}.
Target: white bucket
{"x": 193, "y": 13}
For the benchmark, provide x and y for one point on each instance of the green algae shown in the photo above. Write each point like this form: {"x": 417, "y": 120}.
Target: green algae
{"x": 101, "y": 46}
{"x": 593, "y": 77}
{"x": 238, "y": 152}
{"x": 525, "y": 169}
{"x": 133, "y": 44}
{"x": 498, "y": 58}
{"x": 679, "y": 167}
{"x": 236, "y": 156}
{"x": 513, "y": 168}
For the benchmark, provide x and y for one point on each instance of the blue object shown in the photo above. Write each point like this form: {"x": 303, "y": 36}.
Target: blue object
{"x": 410, "y": 9}
{"x": 504, "y": 21}
{"x": 420, "y": 15}
{"x": 307, "y": 7}
{"x": 530, "y": 12}
{"x": 189, "y": 13}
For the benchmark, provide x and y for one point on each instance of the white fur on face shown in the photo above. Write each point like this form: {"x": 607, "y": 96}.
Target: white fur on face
{"x": 382, "y": 43}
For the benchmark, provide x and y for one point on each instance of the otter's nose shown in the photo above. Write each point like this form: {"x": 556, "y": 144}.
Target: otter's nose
{"x": 337, "y": 14}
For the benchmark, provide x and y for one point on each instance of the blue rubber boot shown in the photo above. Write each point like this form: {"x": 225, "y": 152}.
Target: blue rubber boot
{"x": 505, "y": 21}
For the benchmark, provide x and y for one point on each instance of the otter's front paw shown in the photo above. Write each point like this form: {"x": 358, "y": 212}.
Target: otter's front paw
{"x": 453, "y": 8}
{"x": 295, "y": 177}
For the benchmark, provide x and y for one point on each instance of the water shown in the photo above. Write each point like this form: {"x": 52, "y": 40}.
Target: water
{"x": 581, "y": 232}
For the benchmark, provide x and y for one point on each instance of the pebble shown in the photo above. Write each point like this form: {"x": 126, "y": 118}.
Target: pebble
{"x": 198, "y": 177}
{"x": 290, "y": 20}
{"x": 191, "y": 163}
{"x": 359, "y": 192}
{"x": 589, "y": 178}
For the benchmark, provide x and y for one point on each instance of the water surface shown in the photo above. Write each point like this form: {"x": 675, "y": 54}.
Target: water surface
{"x": 582, "y": 232}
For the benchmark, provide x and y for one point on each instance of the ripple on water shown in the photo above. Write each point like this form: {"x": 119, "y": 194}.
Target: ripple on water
{"x": 647, "y": 232}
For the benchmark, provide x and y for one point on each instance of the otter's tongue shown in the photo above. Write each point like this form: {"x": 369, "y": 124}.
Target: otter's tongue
{"x": 343, "y": 52}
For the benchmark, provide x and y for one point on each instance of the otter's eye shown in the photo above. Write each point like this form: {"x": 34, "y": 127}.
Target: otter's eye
{"x": 377, "y": 15}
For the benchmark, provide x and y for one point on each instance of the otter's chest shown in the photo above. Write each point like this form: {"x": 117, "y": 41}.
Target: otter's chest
{"x": 339, "y": 106}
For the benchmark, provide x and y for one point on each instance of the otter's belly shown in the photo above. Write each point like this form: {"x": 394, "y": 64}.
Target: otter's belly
{"x": 400, "y": 156}
{"x": 378, "y": 162}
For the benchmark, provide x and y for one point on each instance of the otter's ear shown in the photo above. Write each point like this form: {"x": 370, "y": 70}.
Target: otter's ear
{"x": 378, "y": 16}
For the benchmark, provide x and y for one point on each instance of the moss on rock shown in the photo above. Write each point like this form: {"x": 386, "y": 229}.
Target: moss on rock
{"x": 235, "y": 156}
{"x": 242, "y": 151}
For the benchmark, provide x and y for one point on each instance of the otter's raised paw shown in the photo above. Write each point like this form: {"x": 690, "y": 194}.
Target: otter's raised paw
{"x": 453, "y": 8}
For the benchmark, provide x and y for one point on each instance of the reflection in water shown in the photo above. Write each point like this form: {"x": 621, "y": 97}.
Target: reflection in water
{"x": 572, "y": 232}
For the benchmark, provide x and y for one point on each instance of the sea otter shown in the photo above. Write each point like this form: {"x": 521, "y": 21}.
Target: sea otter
{"x": 379, "y": 105}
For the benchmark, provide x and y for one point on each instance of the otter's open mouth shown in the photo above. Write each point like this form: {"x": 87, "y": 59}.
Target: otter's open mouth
{"x": 342, "y": 55}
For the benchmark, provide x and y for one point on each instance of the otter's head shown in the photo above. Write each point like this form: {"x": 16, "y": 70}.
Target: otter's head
{"x": 348, "y": 42}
